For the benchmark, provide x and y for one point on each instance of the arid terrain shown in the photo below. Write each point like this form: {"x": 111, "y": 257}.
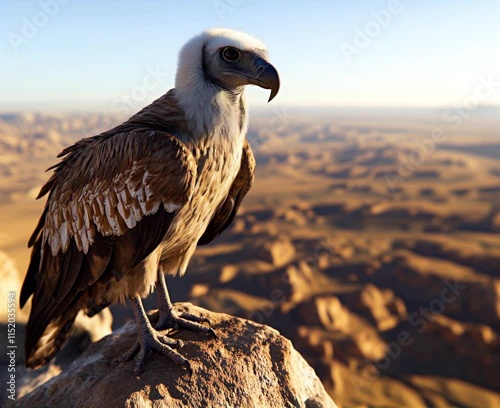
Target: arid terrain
{"x": 370, "y": 239}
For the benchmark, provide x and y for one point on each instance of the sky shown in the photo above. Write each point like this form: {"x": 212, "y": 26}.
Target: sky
{"x": 117, "y": 55}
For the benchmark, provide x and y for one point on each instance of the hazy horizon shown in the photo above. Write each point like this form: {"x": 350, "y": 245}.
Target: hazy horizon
{"x": 272, "y": 109}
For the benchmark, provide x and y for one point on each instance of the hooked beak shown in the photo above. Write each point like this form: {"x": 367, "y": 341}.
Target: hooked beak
{"x": 266, "y": 78}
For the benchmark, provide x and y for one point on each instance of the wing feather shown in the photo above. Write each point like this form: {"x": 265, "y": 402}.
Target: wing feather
{"x": 113, "y": 195}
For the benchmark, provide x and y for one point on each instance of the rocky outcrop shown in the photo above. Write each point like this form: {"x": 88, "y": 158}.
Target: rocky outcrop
{"x": 247, "y": 365}
{"x": 381, "y": 307}
{"x": 326, "y": 311}
{"x": 278, "y": 252}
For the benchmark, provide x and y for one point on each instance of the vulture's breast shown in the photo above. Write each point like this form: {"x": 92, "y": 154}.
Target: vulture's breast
{"x": 218, "y": 165}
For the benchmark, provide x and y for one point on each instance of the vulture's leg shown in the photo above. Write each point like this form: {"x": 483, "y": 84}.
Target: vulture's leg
{"x": 148, "y": 339}
{"x": 169, "y": 318}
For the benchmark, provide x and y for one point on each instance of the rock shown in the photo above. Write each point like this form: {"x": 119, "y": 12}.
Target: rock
{"x": 318, "y": 345}
{"x": 369, "y": 345}
{"x": 86, "y": 330}
{"x": 380, "y": 307}
{"x": 325, "y": 311}
{"x": 228, "y": 273}
{"x": 291, "y": 215}
{"x": 291, "y": 283}
{"x": 285, "y": 284}
{"x": 495, "y": 222}
{"x": 28, "y": 380}
{"x": 329, "y": 370}
{"x": 279, "y": 252}
{"x": 247, "y": 365}
{"x": 96, "y": 327}
{"x": 239, "y": 226}
{"x": 482, "y": 301}
{"x": 199, "y": 289}
{"x": 345, "y": 252}
{"x": 466, "y": 351}
{"x": 296, "y": 282}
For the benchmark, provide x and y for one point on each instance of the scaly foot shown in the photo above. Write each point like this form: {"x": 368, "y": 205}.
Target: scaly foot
{"x": 171, "y": 319}
{"x": 149, "y": 339}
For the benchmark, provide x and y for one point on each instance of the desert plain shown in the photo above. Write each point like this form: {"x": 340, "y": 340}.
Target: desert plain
{"x": 370, "y": 239}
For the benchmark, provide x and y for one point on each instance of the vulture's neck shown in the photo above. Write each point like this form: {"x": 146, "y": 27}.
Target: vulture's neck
{"x": 212, "y": 112}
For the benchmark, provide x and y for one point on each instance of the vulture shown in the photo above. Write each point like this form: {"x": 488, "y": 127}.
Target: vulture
{"x": 130, "y": 205}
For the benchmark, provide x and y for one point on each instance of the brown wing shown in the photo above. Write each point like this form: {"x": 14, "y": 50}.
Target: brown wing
{"x": 109, "y": 192}
{"x": 226, "y": 212}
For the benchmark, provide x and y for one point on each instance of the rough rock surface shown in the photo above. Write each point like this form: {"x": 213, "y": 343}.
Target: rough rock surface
{"x": 247, "y": 365}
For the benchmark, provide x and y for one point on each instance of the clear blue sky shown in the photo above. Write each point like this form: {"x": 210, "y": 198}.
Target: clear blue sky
{"x": 90, "y": 53}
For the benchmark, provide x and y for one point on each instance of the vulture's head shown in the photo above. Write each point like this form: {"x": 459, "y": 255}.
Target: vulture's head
{"x": 225, "y": 59}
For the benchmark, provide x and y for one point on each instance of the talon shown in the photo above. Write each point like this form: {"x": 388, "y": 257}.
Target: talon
{"x": 151, "y": 341}
{"x": 193, "y": 318}
{"x": 129, "y": 355}
{"x": 177, "y": 343}
{"x": 169, "y": 319}
{"x": 140, "y": 362}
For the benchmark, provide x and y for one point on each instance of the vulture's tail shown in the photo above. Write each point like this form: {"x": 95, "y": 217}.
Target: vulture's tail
{"x": 55, "y": 303}
{"x": 54, "y": 337}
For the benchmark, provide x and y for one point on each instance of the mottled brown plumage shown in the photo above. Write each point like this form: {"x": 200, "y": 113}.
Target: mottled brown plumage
{"x": 226, "y": 212}
{"x": 128, "y": 205}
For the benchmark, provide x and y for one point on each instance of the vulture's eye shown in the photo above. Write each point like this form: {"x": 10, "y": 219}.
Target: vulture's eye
{"x": 230, "y": 54}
